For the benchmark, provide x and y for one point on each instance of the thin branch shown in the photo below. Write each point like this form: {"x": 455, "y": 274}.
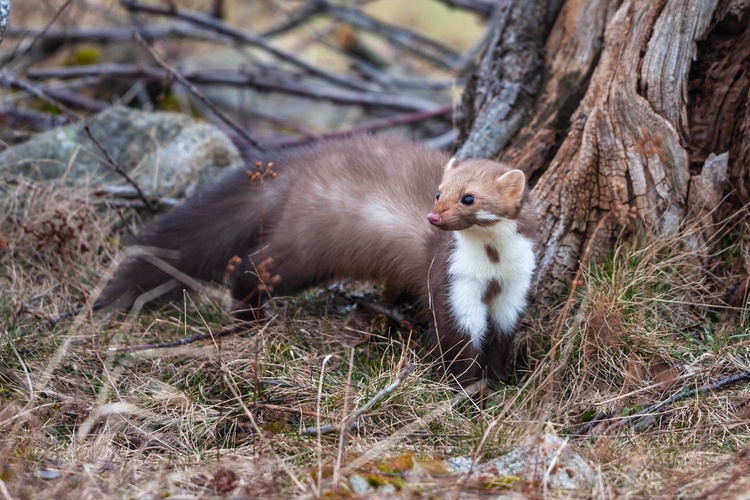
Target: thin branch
{"x": 118, "y": 168}
{"x": 281, "y": 84}
{"x": 466, "y": 60}
{"x": 392, "y": 313}
{"x": 130, "y": 193}
{"x": 243, "y": 36}
{"x": 36, "y": 38}
{"x": 372, "y": 126}
{"x": 116, "y": 34}
{"x": 183, "y": 341}
{"x": 197, "y": 93}
{"x": 417, "y": 44}
{"x": 50, "y": 97}
{"x": 598, "y": 419}
{"x": 685, "y": 393}
{"x": 351, "y": 422}
{"x": 483, "y": 7}
{"x": 287, "y": 409}
{"x": 30, "y": 119}
{"x": 408, "y": 370}
{"x": 311, "y": 8}
{"x": 390, "y": 81}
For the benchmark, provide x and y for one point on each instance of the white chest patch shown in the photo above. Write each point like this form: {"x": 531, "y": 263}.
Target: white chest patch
{"x": 482, "y": 257}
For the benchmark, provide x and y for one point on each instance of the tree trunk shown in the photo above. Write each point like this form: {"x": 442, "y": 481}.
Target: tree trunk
{"x": 636, "y": 96}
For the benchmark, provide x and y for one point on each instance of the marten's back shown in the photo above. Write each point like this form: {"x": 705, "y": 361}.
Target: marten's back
{"x": 360, "y": 211}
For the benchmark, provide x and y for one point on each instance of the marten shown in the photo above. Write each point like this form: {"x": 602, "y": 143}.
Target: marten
{"x": 361, "y": 208}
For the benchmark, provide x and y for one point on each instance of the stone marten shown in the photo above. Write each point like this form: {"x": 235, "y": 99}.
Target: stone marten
{"x": 361, "y": 208}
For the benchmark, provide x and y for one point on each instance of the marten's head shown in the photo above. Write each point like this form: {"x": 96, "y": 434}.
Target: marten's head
{"x": 477, "y": 193}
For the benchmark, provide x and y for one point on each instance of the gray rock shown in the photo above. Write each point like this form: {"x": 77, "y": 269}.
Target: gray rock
{"x": 532, "y": 461}
{"x": 458, "y": 465}
{"x": 47, "y": 474}
{"x": 360, "y": 485}
{"x": 163, "y": 152}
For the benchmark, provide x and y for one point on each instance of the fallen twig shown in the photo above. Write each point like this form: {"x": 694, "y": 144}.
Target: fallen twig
{"x": 116, "y": 34}
{"x": 311, "y": 8}
{"x": 351, "y": 421}
{"x": 685, "y": 393}
{"x": 130, "y": 193}
{"x": 54, "y": 98}
{"x": 392, "y": 313}
{"x": 598, "y": 419}
{"x": 183, "y": 341}
{"x": 483, "y": 7}
{"x": 288, "y": 409}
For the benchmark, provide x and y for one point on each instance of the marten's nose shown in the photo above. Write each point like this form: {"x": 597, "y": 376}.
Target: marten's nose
{"x": 434, "y": 218}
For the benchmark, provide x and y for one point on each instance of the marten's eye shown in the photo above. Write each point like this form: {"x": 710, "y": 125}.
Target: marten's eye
{"x": 467, "y": 200}
{"x": 437, "y": 196}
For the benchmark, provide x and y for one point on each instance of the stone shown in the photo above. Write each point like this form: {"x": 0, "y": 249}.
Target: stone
{"x": 164, "y": 153}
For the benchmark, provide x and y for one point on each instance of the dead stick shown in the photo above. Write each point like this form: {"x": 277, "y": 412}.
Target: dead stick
{"x": 287, "y": 409}
{"x": 380, "y": 395}
{"x": 403, "y": 119}
{"x": 418, "y": 45}
{"x": 373, "y": 305}
{"x": 685, "y": 393}
{"x": 197, "y": 93}
{"x": 598, "y": 419}
{"x": 219, "y": 26}
{"x": 116, "y": 166}
{"x": 184, "y": 341}
{"x": 41, "y": 33}
{"x": 351, "y": 422}
{"x": 278, "y": 81}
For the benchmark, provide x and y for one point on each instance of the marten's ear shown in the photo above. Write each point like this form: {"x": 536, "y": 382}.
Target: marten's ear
{"x": 511, "y": 185}
{"x": 453, "y": 163}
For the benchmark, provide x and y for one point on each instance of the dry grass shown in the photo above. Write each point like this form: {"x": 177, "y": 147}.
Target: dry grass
{"x": 218, "y": 416}
{"x": 225, "y": 417}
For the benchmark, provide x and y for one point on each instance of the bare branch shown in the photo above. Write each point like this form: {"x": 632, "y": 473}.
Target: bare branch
{"x": 373, "y": 126}
{"x": 36, "y": 39}
{"x": 117, "y": 168}
{"x": 197, "y": 93}
{"x": 685, "y": 393}
{"x": 236, "y": 79}
{"x": 115, "y": 34}
{"x": 183, "y": 341}
{"x": 310, "y": 9}
{"x": 351, "y": 421}
{"x": 244, "y": 37}
{"x": 417, "y": 44}
{"x": 54, "y": 97}
{"x": 483, "y": 7}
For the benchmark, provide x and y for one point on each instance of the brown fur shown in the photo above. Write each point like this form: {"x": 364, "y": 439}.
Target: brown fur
{"x": 353, "y": 208}
{"x": 492, "y": 254}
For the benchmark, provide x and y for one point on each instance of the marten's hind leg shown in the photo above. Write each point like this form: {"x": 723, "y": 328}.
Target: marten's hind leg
{"x": 267, "y": 273}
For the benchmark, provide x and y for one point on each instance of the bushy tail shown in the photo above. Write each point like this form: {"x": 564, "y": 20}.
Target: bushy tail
{"x": 194, "y": 242}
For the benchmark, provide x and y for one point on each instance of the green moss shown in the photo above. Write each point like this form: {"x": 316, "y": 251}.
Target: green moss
{"x": 84, "y": 56}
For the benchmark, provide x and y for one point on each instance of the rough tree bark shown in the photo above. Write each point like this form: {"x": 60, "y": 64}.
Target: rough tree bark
{"x": 636, "y": 96}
